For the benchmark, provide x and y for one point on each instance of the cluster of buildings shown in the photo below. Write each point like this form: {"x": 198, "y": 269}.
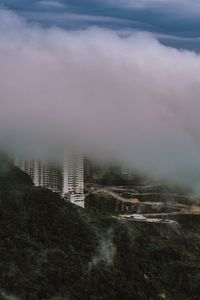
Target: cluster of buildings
{"x": 65, "y": 176}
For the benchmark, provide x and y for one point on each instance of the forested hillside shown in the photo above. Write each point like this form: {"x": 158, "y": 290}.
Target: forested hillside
{"x": 51, "y": 249}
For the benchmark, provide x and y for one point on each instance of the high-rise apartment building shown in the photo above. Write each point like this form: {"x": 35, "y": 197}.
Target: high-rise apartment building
{"x": 64, "y": 177}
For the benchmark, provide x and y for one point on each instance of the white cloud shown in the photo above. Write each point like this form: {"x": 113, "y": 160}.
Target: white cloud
{"x": 187, "y": 6}
{"x": 67, "y": 17}
{"x": 51, "y": 3}
{"x": 131, "y": 98}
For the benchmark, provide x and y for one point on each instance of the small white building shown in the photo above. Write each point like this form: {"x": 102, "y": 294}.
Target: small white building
{"x": 138, "y": 217}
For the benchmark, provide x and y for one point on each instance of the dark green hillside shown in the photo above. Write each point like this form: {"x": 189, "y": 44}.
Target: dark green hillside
{"x": 11, "y": 177}
{"x": 50, "y": 249}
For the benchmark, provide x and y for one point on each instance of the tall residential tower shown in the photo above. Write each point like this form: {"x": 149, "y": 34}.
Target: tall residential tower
{"x": 65, "y": 177}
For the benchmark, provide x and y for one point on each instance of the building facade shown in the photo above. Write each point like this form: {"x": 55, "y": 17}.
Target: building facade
{"x": 65, "y": 177}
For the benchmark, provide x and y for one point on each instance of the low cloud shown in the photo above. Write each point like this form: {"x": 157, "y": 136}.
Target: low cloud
{"x": 124, "y": 96}
{"x": 5, "y": 296}
{"x": 105, "y": 252}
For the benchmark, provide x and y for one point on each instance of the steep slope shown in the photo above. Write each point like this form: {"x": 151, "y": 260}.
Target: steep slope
{"x": 50, "y": 249}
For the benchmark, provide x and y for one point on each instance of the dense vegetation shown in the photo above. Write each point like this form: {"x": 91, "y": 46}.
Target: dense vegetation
{"x": 50, "y": 249}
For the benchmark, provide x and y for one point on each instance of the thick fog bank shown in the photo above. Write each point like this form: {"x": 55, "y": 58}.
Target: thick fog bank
{"x": 126, "y": 97}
